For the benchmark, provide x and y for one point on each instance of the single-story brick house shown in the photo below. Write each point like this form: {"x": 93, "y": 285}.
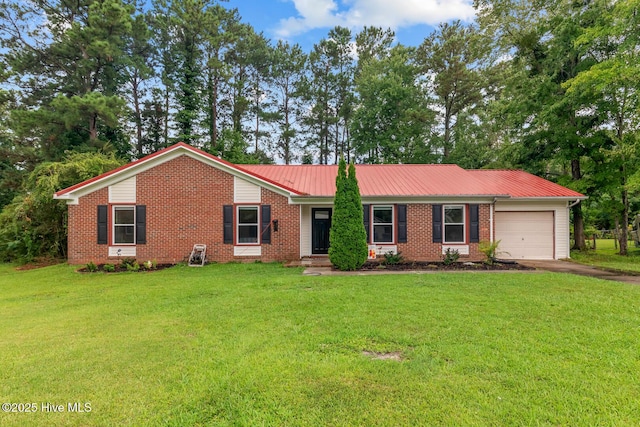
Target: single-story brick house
{"x": 158, "y": 207}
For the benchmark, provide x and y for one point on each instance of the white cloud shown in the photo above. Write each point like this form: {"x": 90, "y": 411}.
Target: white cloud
{"x": 381, "y": 13}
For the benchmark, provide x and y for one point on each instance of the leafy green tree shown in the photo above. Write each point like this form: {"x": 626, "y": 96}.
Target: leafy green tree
{"x": 34, "y": 224}
{"x": 329, "y": 94}
{"x": 318, "y": 91}
{"x": 610, "y": 87}
{"x": 340, "y": 47}
{"x": 260, "y": 54}
{"x": 219, "y": 37}
{"x": 188, "y": 20}
{"x": 392, "y": 120}
{"x": 233, "y": 147}
{"x": 153, "y": 118}
{"x": 551, "y": 133}
{"x": 372, "y": 43}
{"x": 163, "y": 44}
{"x": 348, "y": 240}
{"x": 140, "y": 52}
{"x": 453, "y": 56}
{"x": 65, "y": 59}
{"x": 285, "y": 78}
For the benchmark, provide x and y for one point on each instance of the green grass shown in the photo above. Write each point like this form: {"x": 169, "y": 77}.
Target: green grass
{"x": 606, "y": 256}
{"x": 259, "y": 344}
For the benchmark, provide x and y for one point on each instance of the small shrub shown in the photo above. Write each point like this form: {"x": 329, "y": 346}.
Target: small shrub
{"x": 109, "y": 268}
{"x": 92, "y": 267}
{"x": 133, "y": 267}
{"x": 150, "y": 265}
{"x": 489, "y": 249}
{"x": 450, "y": 256}
{"x": 391, "y": 258}
{"x": 128, "y": 262}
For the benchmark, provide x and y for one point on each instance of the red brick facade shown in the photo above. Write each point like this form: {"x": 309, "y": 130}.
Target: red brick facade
{"x": 184, "y": 200}
{"x": 285, "y": 243}
{"x": 420, "y": 246}
{"x": 82, "y": 233}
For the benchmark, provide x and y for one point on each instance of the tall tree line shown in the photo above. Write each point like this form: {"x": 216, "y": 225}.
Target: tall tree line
{"x": 549, "y": 87}
{"x": 133, "y": 78}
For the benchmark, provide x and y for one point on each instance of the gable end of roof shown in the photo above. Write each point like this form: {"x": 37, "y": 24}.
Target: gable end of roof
{"x": 126, "y": 171}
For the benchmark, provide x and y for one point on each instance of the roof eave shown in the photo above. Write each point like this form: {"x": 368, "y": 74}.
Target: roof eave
{"x": 547, "y": 198}
{"x": 308, "y": 199}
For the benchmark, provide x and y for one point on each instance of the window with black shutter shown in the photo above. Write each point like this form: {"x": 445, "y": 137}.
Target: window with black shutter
{"x": 436, "y": 217}
{"x": 103, "y": 234}
{"x": 366, "y": 214}
{"x": 474, "y": 224}
{"x": 402, "y": 223}
{"x": 265, "y": 217}
{"x": 141, "y": 224}
{"x": 227, "y": 221}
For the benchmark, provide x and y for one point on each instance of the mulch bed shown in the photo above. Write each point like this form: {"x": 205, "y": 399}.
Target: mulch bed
{"x": 438, "y": 266}
{"x": 118, "y": 268}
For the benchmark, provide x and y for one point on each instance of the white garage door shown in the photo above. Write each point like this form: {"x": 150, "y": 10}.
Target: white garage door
{"x": 525, "y": 235}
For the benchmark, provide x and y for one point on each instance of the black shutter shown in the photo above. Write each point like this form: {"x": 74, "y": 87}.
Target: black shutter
{"x": 227, "y": 220}
{"x": 474, "y": 224}
{"x": 366, "y": 214}
{"x": 402, "y": 223}
{"x": 265, "y": 216}
{"x": 437, "y": 223}
{"x": 141, "y": 224}
{"x": 102, "y": 224}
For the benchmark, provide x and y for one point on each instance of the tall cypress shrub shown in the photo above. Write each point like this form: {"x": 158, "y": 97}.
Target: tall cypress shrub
{"x": 348, "y": 238}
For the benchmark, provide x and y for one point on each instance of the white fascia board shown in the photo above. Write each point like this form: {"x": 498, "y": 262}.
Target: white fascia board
{"x": 546, "y": 199}
{"x": 430, "y": 200}
{"x": 309, "y": 200}
{"x": 306, "y": 200}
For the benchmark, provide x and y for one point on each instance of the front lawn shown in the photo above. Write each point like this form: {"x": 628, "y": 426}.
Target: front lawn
{"x": 259, "y": 344}
{"x": 605, "y": 255}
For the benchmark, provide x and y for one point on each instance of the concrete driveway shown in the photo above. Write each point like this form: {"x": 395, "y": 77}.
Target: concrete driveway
{"x": 582, "y": 270}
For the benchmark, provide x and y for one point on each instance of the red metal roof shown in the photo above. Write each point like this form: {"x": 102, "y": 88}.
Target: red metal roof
{"x": 518, "y": 183}
{"x": 378, "y": 180}
{"x": 415, "y": 180}
{"x": 375, "y": 180}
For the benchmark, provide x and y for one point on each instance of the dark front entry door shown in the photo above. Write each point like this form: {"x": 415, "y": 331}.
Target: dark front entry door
{"x": 320, "y": 225}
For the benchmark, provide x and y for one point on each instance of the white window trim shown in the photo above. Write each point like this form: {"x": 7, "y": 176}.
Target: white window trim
{"x": 392, "y": 223}
{"x": 113, "y": 225}
{"x": 238, "y": 207}
{"x": 463, "y": 223}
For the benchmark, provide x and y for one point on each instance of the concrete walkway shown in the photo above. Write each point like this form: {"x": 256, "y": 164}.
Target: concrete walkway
{"x": 553, "y": 266}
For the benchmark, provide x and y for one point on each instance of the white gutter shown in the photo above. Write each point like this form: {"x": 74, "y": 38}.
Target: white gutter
{"x": 492, "y": 208}
{"x": 574, "y": 203}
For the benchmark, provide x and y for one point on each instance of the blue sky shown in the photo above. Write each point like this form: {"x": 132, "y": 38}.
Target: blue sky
{"x": 307, "y": 21}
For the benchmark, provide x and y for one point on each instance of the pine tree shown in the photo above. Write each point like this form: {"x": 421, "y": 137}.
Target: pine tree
{"x": 348, "y": 249}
